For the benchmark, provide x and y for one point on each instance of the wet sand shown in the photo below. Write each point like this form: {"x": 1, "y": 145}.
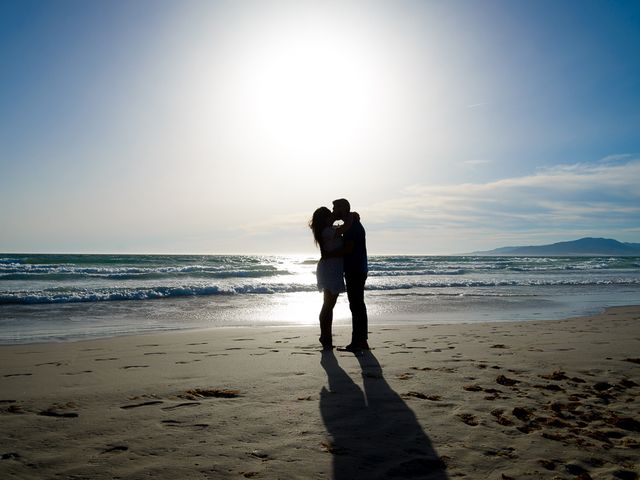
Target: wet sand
{"x": 555, "y": 399}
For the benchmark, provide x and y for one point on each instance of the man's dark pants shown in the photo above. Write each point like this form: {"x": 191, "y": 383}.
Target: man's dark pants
{"x": 355, "y": 293}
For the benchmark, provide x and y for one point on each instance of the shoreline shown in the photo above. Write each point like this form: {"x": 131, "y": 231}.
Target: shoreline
{"x": 379, "y": 317}
{"x": 536, "y": 399}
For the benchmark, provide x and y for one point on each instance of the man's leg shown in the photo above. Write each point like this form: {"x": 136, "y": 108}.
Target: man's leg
{"x": 355, "y": 293}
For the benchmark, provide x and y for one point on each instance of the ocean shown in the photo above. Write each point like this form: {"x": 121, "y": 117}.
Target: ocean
{"x": 71, "y": 297}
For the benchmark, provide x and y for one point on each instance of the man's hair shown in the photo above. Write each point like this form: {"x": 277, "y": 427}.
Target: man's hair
{"x": 342, "y": 203}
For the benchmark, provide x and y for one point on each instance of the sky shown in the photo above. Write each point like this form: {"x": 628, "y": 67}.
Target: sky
{"x": 188, "y": 126}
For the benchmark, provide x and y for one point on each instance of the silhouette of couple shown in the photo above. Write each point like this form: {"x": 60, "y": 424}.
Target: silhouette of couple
{"x": 372, "y": 432}
{"x": 343, "y": 261}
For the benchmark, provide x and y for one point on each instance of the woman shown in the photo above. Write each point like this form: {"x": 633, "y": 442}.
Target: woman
{"x": 330, "y": 270}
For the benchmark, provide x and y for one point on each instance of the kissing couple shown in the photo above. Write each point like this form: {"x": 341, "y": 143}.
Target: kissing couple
{"x": 342, "y": 267}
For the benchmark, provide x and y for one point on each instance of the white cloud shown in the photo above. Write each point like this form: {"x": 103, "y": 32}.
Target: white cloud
{"x": 553, "y": 204}
{"x": 556, "y": 203}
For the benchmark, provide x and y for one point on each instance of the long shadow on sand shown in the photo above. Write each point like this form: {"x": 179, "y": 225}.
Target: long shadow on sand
{"x": 374, "y": 433}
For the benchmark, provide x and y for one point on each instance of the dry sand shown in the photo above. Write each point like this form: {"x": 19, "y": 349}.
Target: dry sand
{"x": 555, "y": 399}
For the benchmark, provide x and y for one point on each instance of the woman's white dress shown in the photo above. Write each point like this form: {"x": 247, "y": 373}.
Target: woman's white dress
{"x": 330, "y": 271}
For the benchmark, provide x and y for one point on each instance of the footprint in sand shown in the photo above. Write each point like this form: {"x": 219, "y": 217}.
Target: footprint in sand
{"x": 506, "y": 381}
{"x": 78, "y": 373}
{"x": 468, "y": 418}
{"x": 59, "y": 412}
{"x": 143, "y": 404}
{"x": 447, "y": 369}
{"x": 14, "y": 409}
{"x": 556, "y": 375}
{"x": 548, "y": 464}
{"x": 127, "y": 367}
{"x": 171, "y": 422}
{"x": 473, "y": 388}
{"x": 196, "y": 393}
{"x": 115, "y": 448}
{"x": 180, "y": 405}
{"x": 626, "y": 383}
{"x": 105, "y": 359}
{"x": 550, "y": 387}
{"x": 11, "y": 456}
{"x": 522, "y": 413}
{"x": 423, "y": 396}
{"x": 500, "y": 418}
{"x": 155, "y": 353}
{"x": 148, "y": 345}
{"x": 55, "y": 364}
{"x": 17, "y": 375}
{"x": 507, "y": 452}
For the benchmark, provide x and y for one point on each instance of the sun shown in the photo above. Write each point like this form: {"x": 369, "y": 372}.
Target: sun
{"x": 310, "y": 91}
{"x": 309, "y": 87}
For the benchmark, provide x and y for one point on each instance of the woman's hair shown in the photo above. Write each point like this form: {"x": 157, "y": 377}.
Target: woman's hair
{"x": 318, "y": 222}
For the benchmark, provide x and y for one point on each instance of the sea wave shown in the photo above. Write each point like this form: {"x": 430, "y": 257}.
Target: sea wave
{"x": 67, "y": 295}
{"x": 120, "y": 294}
{"x": 62, "y": 272}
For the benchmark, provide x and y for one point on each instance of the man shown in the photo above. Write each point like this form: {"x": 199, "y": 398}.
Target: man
{"x": 355, "y": 274}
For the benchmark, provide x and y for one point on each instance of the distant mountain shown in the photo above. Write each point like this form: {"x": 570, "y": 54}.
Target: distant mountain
{"x": 583, "y": 247}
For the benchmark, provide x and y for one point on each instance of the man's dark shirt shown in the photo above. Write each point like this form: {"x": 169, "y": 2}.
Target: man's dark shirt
{"x": 356, "y": 261}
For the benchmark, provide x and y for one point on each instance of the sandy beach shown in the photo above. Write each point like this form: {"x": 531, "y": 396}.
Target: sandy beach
{"x": 548, "y": 399}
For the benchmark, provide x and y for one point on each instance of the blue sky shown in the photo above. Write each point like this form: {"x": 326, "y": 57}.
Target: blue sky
{"x": 218, "y": 127}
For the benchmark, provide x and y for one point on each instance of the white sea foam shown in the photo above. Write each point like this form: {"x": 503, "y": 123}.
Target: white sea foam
{"x": 49, "y": 287}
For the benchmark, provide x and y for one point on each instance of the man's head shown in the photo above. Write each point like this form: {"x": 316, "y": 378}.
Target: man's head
{"x": 341, "y": 208}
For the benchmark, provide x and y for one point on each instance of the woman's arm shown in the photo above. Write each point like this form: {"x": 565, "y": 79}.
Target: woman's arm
{"x": 348, "y": 223}
{"x": 349, "y": 245}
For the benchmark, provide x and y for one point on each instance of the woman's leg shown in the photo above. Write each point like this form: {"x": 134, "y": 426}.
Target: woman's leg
{"x": 326, "y": 318}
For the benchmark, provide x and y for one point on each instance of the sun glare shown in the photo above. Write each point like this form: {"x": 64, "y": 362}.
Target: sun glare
{"x": 309, "y": 88}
